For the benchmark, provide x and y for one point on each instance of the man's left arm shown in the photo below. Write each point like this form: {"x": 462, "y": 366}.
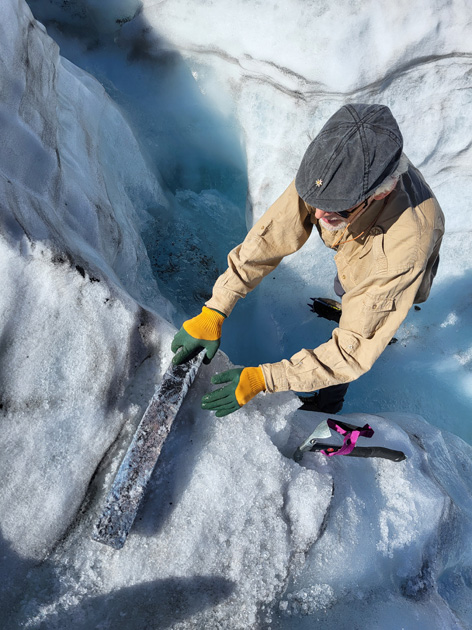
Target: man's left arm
{"x": 371, "y": 314}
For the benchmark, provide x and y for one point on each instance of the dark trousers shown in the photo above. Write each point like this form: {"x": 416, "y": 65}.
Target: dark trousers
{"x": 326, "y": 400}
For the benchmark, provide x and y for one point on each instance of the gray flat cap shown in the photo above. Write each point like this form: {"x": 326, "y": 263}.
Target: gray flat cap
{"x": 356, "y": 150}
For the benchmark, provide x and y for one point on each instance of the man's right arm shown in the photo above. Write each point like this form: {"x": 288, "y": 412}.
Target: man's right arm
{"x": 281, "y": 231}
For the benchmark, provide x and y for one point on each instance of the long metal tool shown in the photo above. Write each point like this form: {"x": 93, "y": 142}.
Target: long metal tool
{"x": 323, "y": 432}
{"x": 124, "y": 498}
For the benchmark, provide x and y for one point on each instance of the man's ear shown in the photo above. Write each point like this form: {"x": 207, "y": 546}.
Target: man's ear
{"x": 382, "y": 195}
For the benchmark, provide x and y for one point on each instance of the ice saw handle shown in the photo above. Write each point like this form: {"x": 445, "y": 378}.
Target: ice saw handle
{"x": 378, "y": 451}
{"x": 365, "y": 451}
{"x": 326, "y": 308}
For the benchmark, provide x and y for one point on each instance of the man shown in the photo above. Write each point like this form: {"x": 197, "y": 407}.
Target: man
{"x": 370, "y": 205}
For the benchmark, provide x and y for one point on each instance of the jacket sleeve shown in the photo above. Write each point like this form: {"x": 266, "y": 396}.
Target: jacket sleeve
{"x": 371, "y": 314}
{"x": 281, "y": 231}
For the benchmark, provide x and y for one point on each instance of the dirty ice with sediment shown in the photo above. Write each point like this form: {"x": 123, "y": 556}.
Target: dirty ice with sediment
{"x": 140, "y": 141}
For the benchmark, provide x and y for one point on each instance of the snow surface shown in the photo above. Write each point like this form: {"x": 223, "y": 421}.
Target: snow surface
{"x": 115, "y": 219}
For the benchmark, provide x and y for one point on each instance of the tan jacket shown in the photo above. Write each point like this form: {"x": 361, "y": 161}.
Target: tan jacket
{"x": 384, "y": 272}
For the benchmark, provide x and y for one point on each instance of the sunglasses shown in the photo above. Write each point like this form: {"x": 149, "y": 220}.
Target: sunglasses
{"x": 345, "y": 213}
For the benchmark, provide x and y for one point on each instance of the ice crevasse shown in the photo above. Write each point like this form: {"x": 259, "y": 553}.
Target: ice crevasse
{"x": 233, "y": 533}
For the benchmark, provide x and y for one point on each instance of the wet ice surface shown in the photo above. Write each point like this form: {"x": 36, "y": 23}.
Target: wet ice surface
{"x": 233, "y": 533}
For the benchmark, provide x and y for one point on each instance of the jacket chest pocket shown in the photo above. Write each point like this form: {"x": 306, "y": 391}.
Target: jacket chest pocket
{"x": 371, "y": 259}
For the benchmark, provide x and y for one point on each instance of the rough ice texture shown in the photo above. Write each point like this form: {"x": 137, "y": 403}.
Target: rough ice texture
{"x": 72, "y": 336}
{"x": 233, "y": 534}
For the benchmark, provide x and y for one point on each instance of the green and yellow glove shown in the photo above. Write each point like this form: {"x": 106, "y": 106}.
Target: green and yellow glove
{"x": 243, "y": 384}
{"x": 202, "y": 331}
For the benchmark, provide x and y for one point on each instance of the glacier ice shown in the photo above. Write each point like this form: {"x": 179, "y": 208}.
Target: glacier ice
{"x": 233, "y": 534}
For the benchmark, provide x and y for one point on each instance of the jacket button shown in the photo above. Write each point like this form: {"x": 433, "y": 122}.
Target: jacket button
{"x": 374, "y": 306}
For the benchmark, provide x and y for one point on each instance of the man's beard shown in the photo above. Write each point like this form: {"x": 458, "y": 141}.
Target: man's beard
{"x": 334, "y": 228}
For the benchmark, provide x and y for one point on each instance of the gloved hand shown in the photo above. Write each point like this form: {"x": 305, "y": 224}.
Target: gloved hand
{"x": 243, "y": 384}
{"x": 202, "y": 331}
